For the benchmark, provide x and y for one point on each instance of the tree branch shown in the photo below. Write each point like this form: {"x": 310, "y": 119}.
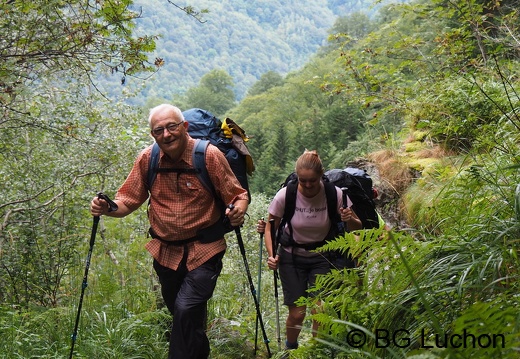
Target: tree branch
{"x": 25, "y": 199}
{"x": 190, "y": 10}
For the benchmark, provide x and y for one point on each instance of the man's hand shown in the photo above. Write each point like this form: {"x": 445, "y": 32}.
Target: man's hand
{"x": 236, "y": 212}
{"x": 98, "y": 207}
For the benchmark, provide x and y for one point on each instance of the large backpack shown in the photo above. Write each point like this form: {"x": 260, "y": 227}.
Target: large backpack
{"x": 227, "y": 136}
{"x": 358, "y": 185}
{"x": 359, "y": 189}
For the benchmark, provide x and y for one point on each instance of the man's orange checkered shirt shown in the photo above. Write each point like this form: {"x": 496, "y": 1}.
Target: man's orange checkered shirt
{"x": 180, "y": 205}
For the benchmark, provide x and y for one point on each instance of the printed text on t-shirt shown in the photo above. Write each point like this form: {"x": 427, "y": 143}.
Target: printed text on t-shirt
{"x": 310, "y": 212}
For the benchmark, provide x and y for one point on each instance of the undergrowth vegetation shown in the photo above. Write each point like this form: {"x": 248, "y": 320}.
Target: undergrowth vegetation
{"x": 122, "y": 313}
{"x": 449, "y": 290}
{"x": 442, "y": 293}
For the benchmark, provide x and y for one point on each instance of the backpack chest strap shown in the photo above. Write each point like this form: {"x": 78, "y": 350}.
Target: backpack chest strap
{"x": 199, "y": 165}
{"x": 177, "y": 170}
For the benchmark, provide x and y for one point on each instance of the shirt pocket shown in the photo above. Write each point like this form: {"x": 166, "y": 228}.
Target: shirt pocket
{"x": 190, "y": 184}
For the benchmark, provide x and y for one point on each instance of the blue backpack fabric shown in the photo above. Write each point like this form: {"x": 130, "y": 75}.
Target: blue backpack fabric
{"x": 204, "y": 125}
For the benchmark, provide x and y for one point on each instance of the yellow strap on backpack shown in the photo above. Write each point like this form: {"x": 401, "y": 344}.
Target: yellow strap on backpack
{"x": 230, "y": 127}
{"x": 238, "y": 138}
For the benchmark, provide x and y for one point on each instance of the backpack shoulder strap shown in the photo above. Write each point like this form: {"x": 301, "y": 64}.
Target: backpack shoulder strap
{"x": 153, "y": 165}
{"x": 199, "y": 162}
{"x": 290, "y": 207}
{"x": 291, "y": 188}
{"x": 290, "y": 201}
{"x": 332, "y": 201}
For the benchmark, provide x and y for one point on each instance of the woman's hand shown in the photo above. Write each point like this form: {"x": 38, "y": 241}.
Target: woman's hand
{"x": 350, "y": 218}
{"x": 260, "y": 226}
{"x": 272, "y": 262}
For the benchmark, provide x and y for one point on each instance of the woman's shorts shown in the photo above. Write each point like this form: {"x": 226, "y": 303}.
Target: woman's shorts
{"x": 298, "y": 273}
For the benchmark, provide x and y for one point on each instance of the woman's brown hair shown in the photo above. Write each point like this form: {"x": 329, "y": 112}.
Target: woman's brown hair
{"x": 310, "y": 160}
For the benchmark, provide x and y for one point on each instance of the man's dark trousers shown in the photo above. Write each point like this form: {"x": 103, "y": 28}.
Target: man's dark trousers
{"x": 186, "y": 294}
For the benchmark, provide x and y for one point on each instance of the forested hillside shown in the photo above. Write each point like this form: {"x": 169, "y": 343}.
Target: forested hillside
{"x": 425, "y": 94}
{"x": 245, "y": 39}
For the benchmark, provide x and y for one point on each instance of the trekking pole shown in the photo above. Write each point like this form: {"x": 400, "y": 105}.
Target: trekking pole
{"x": 259, "y": 285}
{"x": 251, "y": 285}
{"x": 112, "y": 207}
{"x": 346, "y": 259}
{"x": 344, "y": 197}
{"x": 275, "y": 278}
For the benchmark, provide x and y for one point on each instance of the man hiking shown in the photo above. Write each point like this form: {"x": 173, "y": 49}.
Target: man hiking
{"x": 187, "y": 242}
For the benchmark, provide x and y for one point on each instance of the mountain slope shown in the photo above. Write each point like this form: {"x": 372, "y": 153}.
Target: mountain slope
{"x": 246, "y": 39}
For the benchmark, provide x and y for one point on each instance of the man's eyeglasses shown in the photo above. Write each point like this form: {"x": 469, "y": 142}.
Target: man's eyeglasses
{"x": 172, "y": 127}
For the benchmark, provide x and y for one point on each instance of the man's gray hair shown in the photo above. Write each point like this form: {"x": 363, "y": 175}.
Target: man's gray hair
{"x": 163, "y": 108}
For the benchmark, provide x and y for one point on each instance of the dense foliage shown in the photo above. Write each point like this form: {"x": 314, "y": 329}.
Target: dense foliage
{"x": 52, "y": 123}
{"x": 428, "y": 91}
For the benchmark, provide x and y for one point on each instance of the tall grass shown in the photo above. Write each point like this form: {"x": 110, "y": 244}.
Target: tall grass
{"x": 122, "y": 314}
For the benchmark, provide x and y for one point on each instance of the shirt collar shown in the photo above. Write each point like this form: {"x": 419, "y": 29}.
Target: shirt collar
{"x": 186, "y": 155}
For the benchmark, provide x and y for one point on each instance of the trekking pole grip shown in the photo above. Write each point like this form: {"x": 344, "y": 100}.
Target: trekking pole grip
{"x": 273, "y": 237}
{"x": 227, "y": 221}
{"x": 112, "y": 206}
{"x": 262, "y": 233}
{"x": 344, "y": 196}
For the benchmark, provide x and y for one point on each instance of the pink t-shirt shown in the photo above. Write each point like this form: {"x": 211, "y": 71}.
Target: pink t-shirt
{"x": 311, "y": 221}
